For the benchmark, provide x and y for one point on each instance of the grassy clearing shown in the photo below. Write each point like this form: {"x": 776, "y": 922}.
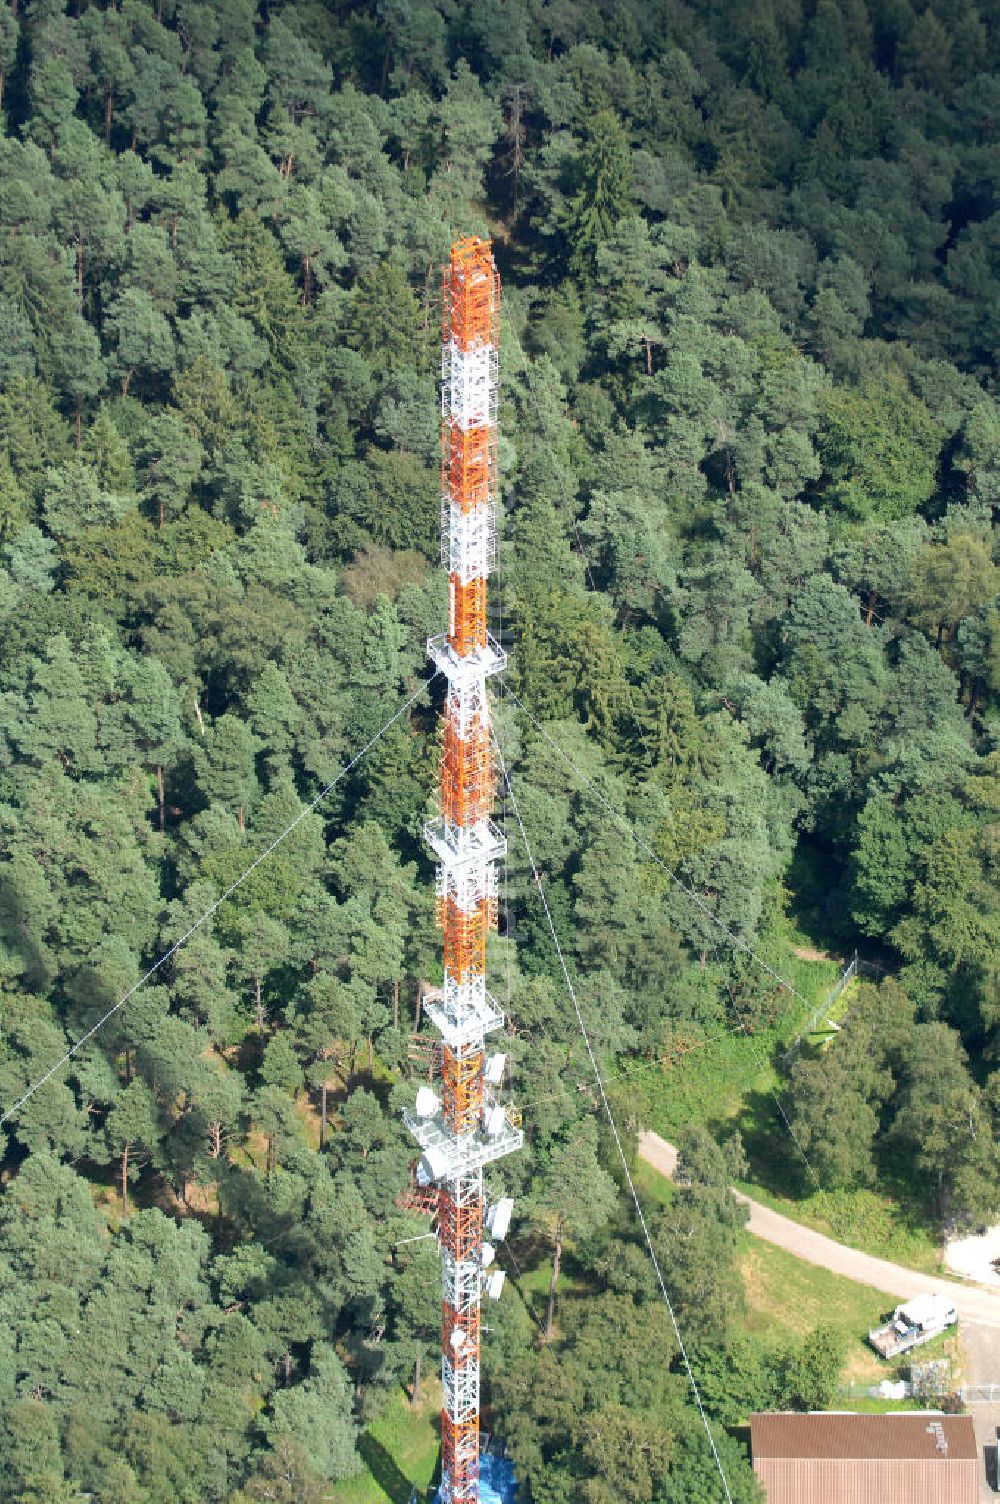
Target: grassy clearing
{"x": 734, "y": 1083}
{"x": 308, "y": 1115}
{"x": 719, "y": 1083}
{"x": 530, "y": 1283}
{"x": 785, "y": 1295}
{"x": 400, "y": 1451}
{"x": 708, "y": 1086}
{"x": 533, "y": 1287}
{"x": 812, "y": 979}
{"x": 655, "y": 1190}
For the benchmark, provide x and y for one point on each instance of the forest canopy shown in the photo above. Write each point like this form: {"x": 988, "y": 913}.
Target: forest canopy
{"x": 750, "y": 578}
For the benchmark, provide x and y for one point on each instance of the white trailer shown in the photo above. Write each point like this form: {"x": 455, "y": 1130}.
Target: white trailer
{"x": 916, "y": 1321}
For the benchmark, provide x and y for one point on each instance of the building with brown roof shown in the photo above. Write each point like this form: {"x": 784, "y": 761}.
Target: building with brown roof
{"x": 909, "y": 1458}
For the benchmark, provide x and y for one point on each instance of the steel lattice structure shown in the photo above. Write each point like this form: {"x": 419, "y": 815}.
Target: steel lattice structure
{"x": 467, "y": 1126}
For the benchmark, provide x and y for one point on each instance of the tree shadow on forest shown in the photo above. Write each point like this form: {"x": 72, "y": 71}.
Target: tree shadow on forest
{"x": 18, "y": 935}
{"x": 815, "y": 881}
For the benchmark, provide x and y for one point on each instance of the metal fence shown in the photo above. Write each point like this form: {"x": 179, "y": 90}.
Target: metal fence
{"x": 969, "y": 1394}
{"x": 848, "y": 1392}
{"x": 980, "y": 1394}
{"x": 857, "y": 966}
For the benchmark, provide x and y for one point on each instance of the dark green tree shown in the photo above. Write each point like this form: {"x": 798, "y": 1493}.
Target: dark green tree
{"x": 574, "y": 1198}
{"x": 697, "y": 1239}
{"x": 833, "y": 1122}
{"x": 602, "y": 196}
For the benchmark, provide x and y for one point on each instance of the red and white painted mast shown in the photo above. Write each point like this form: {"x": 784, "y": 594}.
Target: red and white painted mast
{"x": 468, "y": 1125}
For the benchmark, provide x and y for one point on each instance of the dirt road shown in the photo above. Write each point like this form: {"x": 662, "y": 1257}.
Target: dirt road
{"x": 979, "y": 1306}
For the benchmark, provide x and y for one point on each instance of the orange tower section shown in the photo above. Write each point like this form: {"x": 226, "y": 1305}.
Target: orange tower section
{"x": 467, "y": 1125}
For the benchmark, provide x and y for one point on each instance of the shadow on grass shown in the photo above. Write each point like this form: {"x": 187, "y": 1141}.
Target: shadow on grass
{"x": 514, "y": 1278}
{"x": 775, "y": 1162}
{"x": 916, "y": 1203}
{"x": 386, "y": 1472}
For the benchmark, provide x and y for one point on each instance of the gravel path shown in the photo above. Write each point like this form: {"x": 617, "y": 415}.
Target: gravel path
{"x": 979, "y": 1306}
{"x": 658, "y": 1153}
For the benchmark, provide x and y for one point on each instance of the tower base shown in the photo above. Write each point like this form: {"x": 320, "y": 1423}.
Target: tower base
{"x": 497, "y": 1481}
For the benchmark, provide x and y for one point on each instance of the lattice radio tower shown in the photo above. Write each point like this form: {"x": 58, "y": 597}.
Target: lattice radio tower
{"x": 467, "y": 1125}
